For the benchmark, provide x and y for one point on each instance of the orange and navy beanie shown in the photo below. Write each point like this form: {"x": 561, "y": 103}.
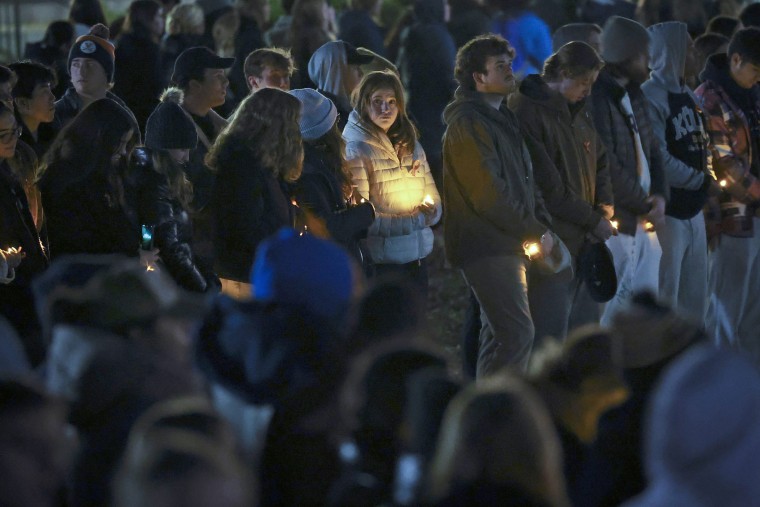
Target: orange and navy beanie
{"x": 95, "y": 45}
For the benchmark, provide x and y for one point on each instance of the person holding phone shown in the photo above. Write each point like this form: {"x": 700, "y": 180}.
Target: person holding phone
{"x": 160, "y": 193}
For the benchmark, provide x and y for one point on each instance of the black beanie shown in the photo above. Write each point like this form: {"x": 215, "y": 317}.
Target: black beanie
{"x": 95, "y": 45}
{"x": 169, "y": 127}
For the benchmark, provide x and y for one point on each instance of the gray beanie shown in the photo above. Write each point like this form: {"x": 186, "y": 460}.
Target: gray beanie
{"x": 318, "y": 113}
{"x": 623, "y": 38}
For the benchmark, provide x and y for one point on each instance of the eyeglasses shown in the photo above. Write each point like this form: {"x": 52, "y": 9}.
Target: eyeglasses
{"x": 7, "y": 136}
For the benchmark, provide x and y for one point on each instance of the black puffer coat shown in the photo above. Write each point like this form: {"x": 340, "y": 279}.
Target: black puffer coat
{"x": 149, "y": 195}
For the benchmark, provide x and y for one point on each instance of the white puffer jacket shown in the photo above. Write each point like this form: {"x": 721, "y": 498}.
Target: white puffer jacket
{"x": 395, "y": 187}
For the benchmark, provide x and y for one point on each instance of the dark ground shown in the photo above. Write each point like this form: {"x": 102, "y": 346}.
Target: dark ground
{"x": 447, "y": 301}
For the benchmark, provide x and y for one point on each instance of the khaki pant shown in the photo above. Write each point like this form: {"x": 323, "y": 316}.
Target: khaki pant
{"x": 500, "y": 285}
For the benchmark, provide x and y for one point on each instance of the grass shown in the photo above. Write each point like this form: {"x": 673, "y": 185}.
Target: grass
{"x": 448, "y": 298}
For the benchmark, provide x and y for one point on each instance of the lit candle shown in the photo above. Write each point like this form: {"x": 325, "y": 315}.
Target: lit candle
{"x": 531, "y": 249}
{"x": 649, "y": 226}
{"x": 428, "y": 200}
{"x": 150, "y": 267}
{"x": 723, "y": 183}
{"x": 614, "y": 224}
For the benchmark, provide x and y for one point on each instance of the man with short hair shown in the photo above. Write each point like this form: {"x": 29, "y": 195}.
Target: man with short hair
{"x": 35, "y": 104}
{"x": 491, "y": 202}
{"x": 269, "y": 68}
{"x": 730, "y": 97}
{"x": 621, "y": 117}
{"x": 200, "y": 74}
{"x": 91, "y": 66}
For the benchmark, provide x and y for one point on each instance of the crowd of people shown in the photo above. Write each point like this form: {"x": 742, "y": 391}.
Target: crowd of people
{"x": 214, "y": 234}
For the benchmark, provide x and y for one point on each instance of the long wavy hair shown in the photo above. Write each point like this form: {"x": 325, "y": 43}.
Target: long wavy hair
{"x": 403, "y": 134}
{"x": 266, "y": 124}
{"x": 91, "y": 139}
{"x": 333, "y": 146}
{"x": 180, "y": 187}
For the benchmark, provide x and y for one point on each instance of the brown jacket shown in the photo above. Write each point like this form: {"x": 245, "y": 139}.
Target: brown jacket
{"x": 569, "y": 160}
{"x": 491, "y": 202}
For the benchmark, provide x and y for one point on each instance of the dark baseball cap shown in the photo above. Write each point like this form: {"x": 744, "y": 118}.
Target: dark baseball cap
{"x": 354, "y": 57}
{"x": 193, "y": 61}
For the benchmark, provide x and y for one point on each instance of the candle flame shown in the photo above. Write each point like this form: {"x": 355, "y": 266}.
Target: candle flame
{"x": 150, "y": 267}
{"x": 614, "y": 224}
{"x": 723, "y": 183}
{"x": 428, "y": 200}
{"x": 649, "y": 226}
{"x": 12, "y": 250}
{"x": 531, "y": 249}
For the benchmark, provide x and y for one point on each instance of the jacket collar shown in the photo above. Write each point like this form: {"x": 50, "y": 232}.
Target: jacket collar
{"x": 472, "y": 101}
{"x": 358, "y": 130}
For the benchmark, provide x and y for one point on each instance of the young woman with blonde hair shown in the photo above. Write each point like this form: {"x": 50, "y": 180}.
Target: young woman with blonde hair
{"x": 497, "y": 446}
{"x": 255, "y": 157}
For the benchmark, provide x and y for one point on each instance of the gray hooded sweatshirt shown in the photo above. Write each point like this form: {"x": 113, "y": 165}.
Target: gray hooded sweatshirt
{"x": 327, "y": 67}
{"x": 676, "y": 119}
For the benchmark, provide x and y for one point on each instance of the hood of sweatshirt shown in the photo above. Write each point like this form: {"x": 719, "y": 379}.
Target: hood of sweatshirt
{"x": 534, "y": 89}
{"x": 667, "y": 54}
{"x": 327, "y": 67}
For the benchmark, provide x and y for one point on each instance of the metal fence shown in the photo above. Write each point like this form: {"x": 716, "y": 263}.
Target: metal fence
{"x": 23, "y": 21}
